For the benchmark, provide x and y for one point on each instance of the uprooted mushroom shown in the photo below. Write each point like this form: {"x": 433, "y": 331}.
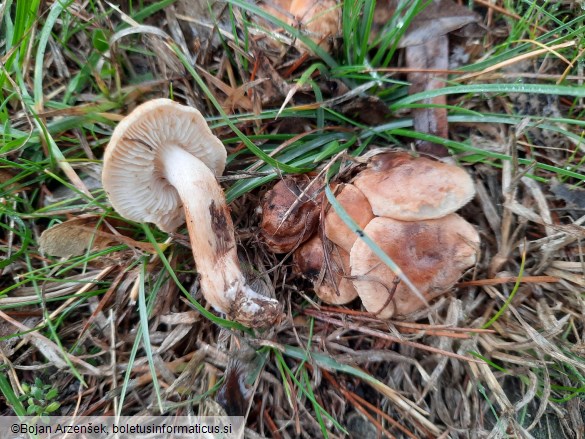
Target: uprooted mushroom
{"x": 160, "y": 166}
{"x": 407, "y": 206}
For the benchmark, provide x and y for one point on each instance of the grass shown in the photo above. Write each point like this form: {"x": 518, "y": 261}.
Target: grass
{"x": 68, "y": 73}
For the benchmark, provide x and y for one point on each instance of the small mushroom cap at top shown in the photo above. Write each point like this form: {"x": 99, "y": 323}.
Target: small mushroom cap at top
{"x": 321, "y": 18}
{"x": 331, "y": 277}
{"x": 357, "y": 207}
{"x": 408, "y": 188}
{"x": 134, "y": 169}
{"x": 290, "y": 213}
{"x": 433, "y": 254}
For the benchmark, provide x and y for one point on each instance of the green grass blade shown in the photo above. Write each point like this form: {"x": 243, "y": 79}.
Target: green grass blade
{"x": 228, "y": 324}
{"x": 308, "y": 394}
{"x": 349, "y": 222}
{"x": 560, "y": 90}
{"x": 39, "y": 73}
{"x": 315, "y": 48}
{"x": 144, "y": 316}
{"x": 253, "y": 148}
{"x": 9, "y": 394}
{"x": 508, "y": 301}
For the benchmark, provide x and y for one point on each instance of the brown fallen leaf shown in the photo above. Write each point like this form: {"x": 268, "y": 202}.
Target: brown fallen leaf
{"x": 202, "y": 18}
{"x": 5, "y": 176}
{"x": 427, "y": 49}
{"x": 433, "y": 54}
{"x": 236, "y": 97}
{"x": 49, "y": 349}
{"x": 275, "y": 88}
{"x": 573, "y": 196}
{"x": 75, "y": 236}
{"x": 277, "y": 8}
{"x": 370, "y": 110}
{"x": 438, "y": 18}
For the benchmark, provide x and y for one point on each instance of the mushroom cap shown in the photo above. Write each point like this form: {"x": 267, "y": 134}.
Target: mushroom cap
{"x": 433, "y": 254}
{"x": 408, "y": 188}
{"x": 334, "y": 286}
{"x": 321, "y": 18}
{"x": 133, "y": 173}
{"x": 357, "y": 207}
{"x": 289, "y": 214}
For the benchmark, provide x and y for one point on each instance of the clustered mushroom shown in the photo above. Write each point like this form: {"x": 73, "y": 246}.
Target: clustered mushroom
{"x": 291, "y": 213}
{"x": 319, "y": 19}
{"x": 160, "y": 166}
{"x": 407, "y": 206}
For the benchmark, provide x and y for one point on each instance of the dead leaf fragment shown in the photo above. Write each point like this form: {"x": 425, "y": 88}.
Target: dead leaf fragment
{"x": 571, "y": 196}
{"x": 5, "y": 176}
{"x": 76, "y": 236}
{"x": 439, "y": 18}
{"x": 434, "y": 55}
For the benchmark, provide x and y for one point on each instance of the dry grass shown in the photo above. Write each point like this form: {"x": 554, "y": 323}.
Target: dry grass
{"x": 502, "y": 356}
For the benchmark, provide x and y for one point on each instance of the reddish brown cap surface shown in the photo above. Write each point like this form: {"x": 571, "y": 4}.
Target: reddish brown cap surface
{"x": 433, "y": 254}
{"x": 357, "y": 207}
{"x": 320, "y": 18}
{"x": 332, "y": 285}
{"x": 290, "y": 217}
{"x": 408, "y": 188}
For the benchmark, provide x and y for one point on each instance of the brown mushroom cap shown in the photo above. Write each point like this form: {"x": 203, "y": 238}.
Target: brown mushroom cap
{"x": 433, "y": 254}
{"x": 290, "y": 217}
{"x": 332, "y": 286}
{"x": 357, "y": 207}
{"x": 321, "y": 19}
{"x": 408, "y": 188}
{"x": 133, "y": 170}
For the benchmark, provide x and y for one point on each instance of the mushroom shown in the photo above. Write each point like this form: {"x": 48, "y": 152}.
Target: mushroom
{"x": 331, "y": 277}
{"x": 408, "y": 188}
{"x": 406, "y": 204}
{"x": 290, "y": 213}
{"x": 432, "y": 253}
{"x": 160, "y": 166}
{"x": 357, "y": 207}
{"x": 321, "y": 19}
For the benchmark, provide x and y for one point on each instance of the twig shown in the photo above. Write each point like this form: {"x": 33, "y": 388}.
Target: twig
{"x": 383, "y": 335}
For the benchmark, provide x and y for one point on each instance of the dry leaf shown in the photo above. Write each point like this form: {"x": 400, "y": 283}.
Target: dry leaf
{"x": 6, "y": 175}
{"x": 432, "y": 55}
{"x": 439, "y": 18}
{"x": 74, "y": 237}
{"x": 572, "y": 196}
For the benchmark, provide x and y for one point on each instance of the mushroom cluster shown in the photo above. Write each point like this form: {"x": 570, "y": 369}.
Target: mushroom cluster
{"x": 160, "y": 166}
{"x": 406, "y": 205}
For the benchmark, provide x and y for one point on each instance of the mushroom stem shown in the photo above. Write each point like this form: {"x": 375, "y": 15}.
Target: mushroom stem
{"x": 211, "y": 233}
